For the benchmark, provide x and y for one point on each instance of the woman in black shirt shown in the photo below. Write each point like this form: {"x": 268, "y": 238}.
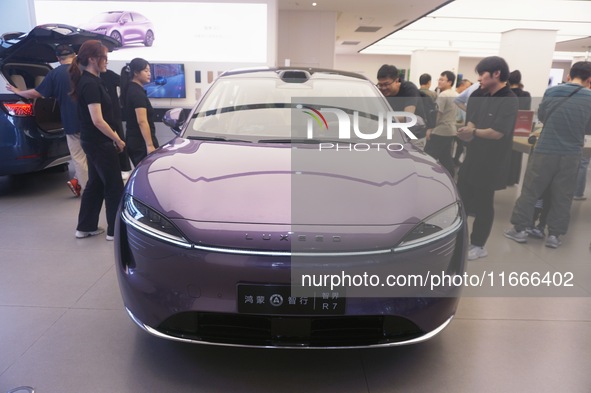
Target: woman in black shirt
{"x": 98, "y": 139}
{"x": 139, "y": 114}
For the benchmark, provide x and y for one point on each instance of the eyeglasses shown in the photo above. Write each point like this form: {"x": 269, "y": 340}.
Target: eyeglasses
{"x": 383, "y": 85}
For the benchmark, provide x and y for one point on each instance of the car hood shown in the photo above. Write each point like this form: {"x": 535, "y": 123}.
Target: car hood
{"x": 39, "y": 44}
{"x": 276, "y": 184}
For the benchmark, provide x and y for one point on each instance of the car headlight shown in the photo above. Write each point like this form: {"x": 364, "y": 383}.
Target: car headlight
{"x": 446, "y": 221}
{"x": 150, "y": 222}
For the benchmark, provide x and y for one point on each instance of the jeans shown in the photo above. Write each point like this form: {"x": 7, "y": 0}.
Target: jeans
{"x": 104, "y": 183}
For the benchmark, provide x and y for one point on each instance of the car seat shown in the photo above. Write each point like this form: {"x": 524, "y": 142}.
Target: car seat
{"x": 18, "y": 81}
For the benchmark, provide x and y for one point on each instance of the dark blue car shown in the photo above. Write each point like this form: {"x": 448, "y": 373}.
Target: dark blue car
{"x": 31, "y": 134}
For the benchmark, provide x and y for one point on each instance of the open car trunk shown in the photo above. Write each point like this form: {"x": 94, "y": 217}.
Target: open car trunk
{"x": 27, "y": 76}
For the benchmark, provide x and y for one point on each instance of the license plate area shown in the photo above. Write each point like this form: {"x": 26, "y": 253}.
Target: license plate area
{"x": 278, "y": 300}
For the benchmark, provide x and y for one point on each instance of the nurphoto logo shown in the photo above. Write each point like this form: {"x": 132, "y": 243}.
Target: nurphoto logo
{"x": 386, "y": 122}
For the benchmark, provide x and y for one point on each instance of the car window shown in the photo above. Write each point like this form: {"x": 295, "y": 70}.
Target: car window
{"x": 266, "y": 108}
{"x": 138, "y": 17}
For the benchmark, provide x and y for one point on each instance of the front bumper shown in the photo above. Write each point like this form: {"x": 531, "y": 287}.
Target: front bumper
{"x": 190, "y": 295}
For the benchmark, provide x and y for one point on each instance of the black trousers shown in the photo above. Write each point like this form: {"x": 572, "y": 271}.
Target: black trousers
{"x": 480, "y": 203}
{"x": 136, "y": 148}
{"x": 104, "y": 184}
{"x": 439, "y": 147}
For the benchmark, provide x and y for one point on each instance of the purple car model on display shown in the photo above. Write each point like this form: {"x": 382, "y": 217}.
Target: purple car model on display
{"x": 126, "y": 27}
{"x": 281, "y": 216}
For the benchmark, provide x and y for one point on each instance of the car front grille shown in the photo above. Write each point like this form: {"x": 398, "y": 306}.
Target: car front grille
{"x": 276, "y": 331}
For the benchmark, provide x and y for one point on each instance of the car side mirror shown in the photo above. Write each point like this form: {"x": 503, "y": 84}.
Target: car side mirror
{"x": 175, "y": 118}
{"x": 123, "y": 21}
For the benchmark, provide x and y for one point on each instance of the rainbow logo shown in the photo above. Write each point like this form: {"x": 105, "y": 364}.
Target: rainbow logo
{"x": 315, "y": 114}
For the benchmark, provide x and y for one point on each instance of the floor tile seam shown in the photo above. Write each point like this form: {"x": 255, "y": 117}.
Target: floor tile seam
{"x": 93, "y": 285}
{"x": 365, "y": 377}
{"x": 33, "y": 343}
{"x": 32, "y": 306}
{"x": 59, "y": 251}
{"x": 524, "y": 319}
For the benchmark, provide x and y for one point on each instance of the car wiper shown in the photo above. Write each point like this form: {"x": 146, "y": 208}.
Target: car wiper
{"x": 215, "y": 138}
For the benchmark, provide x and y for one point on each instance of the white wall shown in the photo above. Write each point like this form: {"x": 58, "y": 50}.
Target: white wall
{"x": 368, "y": 65}
{"x": 306, "y": 38}
{"x": 433, "y": 63}
{"x": 16, "y": 15}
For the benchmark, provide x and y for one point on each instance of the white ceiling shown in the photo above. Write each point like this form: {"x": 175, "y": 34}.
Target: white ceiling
{"x": 473, "y": 27}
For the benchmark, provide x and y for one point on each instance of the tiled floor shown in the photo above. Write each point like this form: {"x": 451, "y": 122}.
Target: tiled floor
{"x": 63, "y": 328}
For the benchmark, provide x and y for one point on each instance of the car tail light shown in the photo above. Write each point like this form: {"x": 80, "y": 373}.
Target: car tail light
{"x": 21, "y": 109}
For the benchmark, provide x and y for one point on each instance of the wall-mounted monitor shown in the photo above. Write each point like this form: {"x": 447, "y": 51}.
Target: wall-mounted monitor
{"x": 167, "y": 81}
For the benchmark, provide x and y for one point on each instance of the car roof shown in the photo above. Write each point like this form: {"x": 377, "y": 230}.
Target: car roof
{"x": 294, "y": 74}
{"x": 40, "y": 43}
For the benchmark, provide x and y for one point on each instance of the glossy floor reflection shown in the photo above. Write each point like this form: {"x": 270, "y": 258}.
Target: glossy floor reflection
{"x": 63, "y": 328}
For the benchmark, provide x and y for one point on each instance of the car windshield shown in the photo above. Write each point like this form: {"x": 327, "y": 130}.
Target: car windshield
{"x": 106, "y": 17}
{"x": 270, "y": 109}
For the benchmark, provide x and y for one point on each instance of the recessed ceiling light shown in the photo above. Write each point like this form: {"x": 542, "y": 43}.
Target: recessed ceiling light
{"x": 314, "y": 4}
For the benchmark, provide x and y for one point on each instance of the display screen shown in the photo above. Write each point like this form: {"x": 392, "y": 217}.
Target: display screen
{"x": 182, "y": 31}
{"x": 167, "y": 81}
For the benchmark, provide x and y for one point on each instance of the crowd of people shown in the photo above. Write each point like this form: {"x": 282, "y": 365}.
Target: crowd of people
{"x": 476, "y": 117}
{"x": 480, "y": 118}
{"x": 91, "y": 114}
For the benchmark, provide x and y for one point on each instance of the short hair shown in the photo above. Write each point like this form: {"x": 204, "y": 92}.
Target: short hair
{"x": 514, "y": 77}
{"x": 492, "y": 64}
{"x": 461, "y": 82}
{"x": 581, "y": 69}
{"x": 388, "y": 71}
{"x": 424, "y": 79}
{"x": 450, "y": 76}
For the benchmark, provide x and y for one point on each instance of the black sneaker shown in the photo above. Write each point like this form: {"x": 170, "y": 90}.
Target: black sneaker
{"x": 536, "y": 233}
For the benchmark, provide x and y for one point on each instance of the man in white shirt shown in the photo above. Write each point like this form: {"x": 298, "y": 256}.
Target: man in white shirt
{"x": 440, "y": 138}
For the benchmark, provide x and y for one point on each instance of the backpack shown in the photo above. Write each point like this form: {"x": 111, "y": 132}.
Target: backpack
{"x": 430, "y": 108}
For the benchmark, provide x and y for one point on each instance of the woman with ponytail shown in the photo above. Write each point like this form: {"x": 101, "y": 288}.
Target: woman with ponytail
{"x": 98, "y": 139}
{"x": 140, "y": 129}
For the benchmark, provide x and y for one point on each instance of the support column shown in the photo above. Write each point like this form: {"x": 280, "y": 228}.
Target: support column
{"x": 530, "y": 51}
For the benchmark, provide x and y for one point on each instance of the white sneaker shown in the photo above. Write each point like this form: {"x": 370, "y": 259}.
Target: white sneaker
{"x": 125, "y": 175}
{"x": 83, "y": 234}
{"x": 475, "y": 252}
{"x": 110, "y": 238}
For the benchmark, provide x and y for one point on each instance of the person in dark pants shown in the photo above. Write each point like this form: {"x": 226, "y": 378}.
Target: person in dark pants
{"x": 99, "y": 140}
{"x": 554, "y": 162}
{"x": 140, "y": 129}
{"x": 489, "y": 131}
{"x": 112, "y": 80}
{"x": 524, "y": 99}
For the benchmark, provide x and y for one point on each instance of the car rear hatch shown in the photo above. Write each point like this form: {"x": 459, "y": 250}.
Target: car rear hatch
{"x": 39, "y": 44}
{"x": 24, "y": 62}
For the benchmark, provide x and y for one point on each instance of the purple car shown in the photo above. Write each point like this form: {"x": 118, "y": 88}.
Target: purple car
{"x": 126, "y": 27}
{"x": 291, "y": 211}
